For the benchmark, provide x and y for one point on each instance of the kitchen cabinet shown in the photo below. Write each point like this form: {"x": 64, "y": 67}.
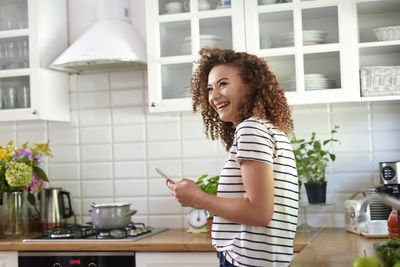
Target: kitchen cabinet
{"x": 8, "y": 259}
{"x": 176, "y": 259}
{"x": 314, "y": 47}
{"x": 381, "y": 16}
{"x": 32, "y": 34}
{"x": 173, "y": 40}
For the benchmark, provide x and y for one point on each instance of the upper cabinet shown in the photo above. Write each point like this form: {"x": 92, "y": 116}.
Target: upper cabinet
{"x": 306, "y": 46}
{"x": 378, "y": 47}
{"x": 32, "y": 34}
{"x": 176, "y": 31}
{"x": 310, "y": 45}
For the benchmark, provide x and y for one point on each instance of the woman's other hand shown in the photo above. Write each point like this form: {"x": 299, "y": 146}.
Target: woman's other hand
{"x": 185, "y": 191}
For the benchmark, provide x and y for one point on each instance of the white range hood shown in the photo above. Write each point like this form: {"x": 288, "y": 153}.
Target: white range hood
{"x": 110, "y": 43}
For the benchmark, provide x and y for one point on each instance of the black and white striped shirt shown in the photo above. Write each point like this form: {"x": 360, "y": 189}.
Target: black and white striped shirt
{"x": 247, "y": 245}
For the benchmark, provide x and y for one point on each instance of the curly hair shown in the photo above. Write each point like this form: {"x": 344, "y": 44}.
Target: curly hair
{"x": 265, "y": 98}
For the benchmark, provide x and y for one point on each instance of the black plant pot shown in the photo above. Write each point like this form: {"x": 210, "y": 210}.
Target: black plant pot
{"x": 316, "y": 192}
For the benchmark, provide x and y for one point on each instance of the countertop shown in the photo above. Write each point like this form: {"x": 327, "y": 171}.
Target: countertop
{"x": 170, "y": 240}
{"x": 335, "y": 247}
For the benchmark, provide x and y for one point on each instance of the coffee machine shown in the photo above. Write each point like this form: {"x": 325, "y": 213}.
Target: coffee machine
{"x": 390, "y": 184}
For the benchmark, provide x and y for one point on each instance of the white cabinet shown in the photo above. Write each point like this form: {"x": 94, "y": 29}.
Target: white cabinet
{"x": 380, "y": 51}
{"x": 8, "y": 259}
{"x": 32, "y": 34}
{"x": 173, "y": 42}
{"x": 314, "y": 47}
{"x": 306, "y": 46}
{"x": 176, "y": 259}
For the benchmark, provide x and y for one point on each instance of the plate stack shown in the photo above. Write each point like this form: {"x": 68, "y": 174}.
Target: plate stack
{"x": 311, "y": 81}
{"x": 206, "y": 40}
{"x": 309, "y": 38}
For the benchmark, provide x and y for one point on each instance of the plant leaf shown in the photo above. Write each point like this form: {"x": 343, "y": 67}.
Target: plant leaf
{"x": 39, "y": 172}
{"x": 31, "y": 199}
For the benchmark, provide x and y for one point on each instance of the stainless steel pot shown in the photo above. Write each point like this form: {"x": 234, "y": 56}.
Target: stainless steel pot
{"x": 111, "y": 215}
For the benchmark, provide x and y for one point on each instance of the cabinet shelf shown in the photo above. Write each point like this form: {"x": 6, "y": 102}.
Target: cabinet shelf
{"x": 14, "y": 33}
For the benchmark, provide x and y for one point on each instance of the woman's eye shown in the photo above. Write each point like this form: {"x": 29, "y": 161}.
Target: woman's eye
{"x": 221, "y": 84}
{"x": 209, "y": 89}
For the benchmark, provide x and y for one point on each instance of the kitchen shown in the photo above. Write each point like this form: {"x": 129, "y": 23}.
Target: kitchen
{"x": 108, "y": 149}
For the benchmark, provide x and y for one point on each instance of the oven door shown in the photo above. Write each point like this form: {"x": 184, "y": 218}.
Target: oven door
{"x": 76, "y": 259}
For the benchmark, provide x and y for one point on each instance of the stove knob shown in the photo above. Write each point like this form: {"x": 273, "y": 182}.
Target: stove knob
{"x": 92, "y": 264}
{"x": 57, "y": 264}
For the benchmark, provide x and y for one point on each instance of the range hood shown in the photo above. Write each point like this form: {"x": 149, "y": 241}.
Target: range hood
{"x": 110, "y": 43}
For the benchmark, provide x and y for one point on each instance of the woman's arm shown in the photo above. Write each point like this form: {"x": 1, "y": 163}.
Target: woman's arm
{"x": 256, "y": 209}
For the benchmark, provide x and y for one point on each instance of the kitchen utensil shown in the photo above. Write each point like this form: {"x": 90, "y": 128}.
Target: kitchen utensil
{"x": 111, "y": 215}
{"x": 53, "y": 208}
{"x": 350, "y": 214}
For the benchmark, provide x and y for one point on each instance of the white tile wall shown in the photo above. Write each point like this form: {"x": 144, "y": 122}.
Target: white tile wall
{"x": 109, "y": 149}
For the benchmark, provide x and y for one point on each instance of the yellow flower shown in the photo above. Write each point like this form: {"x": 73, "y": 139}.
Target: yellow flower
{"x": 43, "y": 148}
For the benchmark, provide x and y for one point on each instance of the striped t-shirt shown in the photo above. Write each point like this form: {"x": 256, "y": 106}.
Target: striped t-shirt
{"x": 247, "y": 245}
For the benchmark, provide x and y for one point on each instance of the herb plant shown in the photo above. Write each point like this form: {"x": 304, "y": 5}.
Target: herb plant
{"x": 208, "y": 185}
{"x": 312, "y": 157}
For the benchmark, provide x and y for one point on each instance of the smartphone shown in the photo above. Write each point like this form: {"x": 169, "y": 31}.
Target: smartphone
{"x": 164, "y": 175}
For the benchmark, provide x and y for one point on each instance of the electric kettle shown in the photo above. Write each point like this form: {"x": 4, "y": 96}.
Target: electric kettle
{"x": 55, "y": 207}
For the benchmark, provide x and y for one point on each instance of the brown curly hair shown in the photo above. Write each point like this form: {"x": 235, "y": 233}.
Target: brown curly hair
{"x": 265, "y": 98}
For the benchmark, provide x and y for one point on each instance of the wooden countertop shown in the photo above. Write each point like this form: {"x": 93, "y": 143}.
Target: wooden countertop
{"x": 335, "y": 247}
{"x": 170, "y": 240}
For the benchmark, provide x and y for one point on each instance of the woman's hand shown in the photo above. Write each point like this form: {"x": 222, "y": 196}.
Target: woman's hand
{"x": 185, "y": 191}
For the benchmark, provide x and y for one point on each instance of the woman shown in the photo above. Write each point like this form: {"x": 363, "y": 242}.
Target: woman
{"x": 256, "y": 206}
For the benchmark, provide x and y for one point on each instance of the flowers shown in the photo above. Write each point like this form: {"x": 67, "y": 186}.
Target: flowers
{"x": 19, "y": 168}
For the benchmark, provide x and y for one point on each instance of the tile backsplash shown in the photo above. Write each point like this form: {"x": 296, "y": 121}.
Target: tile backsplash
{"x": 109, "y": 149}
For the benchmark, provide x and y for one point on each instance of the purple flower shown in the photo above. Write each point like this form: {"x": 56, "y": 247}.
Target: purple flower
{"x": 23, "y": 153}
{"x": 37, "y": 160}
{"x": 36, "y": 185}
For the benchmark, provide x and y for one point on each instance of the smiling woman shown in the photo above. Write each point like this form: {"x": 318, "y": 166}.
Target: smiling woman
{"x": 255, "y": 209}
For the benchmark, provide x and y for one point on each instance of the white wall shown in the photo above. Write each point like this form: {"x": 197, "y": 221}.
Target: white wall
{"x": 109, "y": 149}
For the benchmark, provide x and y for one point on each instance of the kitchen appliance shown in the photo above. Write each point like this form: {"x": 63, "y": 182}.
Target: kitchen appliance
{"x": 350, "y": 214}
{"x": 121, "y": 46}
{"x": 86, "y": 232}
{"x": 76, "y": 258}
{"x": 55, "y": 207}
{"x": 389, "y": 172}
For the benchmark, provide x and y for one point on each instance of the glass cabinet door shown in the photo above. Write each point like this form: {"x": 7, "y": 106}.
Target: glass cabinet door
{"x": 13, "y": 15}
{"x": 15, "y": 92}
{"x": 180, "y": 34}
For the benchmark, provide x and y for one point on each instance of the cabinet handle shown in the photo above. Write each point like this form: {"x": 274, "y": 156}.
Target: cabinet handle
{"x": 35, "y": 112}
{"x": 153, "y": 104}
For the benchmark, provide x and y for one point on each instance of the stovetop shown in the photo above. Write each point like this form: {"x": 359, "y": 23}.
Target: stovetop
{"x": 77, "y": 232}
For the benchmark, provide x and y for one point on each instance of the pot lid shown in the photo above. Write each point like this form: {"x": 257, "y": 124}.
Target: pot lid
{"x": 110, "y": 205}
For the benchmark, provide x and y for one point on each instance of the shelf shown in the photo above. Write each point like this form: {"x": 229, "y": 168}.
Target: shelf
{"x": 14, "y": 33}
{"x": 14, "y": 73}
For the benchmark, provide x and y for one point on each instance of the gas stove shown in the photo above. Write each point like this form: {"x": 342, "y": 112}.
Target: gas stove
{"x": 77, "y": 232}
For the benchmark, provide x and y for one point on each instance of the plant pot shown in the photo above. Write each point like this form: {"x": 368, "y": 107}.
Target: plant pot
{"x": 316, "y": 192}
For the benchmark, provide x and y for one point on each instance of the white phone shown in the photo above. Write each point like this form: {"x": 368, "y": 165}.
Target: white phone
{"x": 164, "y": 175}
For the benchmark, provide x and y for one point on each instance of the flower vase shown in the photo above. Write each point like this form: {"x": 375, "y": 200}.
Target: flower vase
{"x": 15, "y": 214}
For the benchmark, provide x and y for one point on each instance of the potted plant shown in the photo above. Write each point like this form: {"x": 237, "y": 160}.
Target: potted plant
{"x": 312, "y": 157}
{"x": 208, "y": 185}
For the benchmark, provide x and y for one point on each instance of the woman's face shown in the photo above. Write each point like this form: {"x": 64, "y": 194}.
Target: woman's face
{"x": 226, "y": 90}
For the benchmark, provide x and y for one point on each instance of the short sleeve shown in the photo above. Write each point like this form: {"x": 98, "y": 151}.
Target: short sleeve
{"x": 254, "y": 142}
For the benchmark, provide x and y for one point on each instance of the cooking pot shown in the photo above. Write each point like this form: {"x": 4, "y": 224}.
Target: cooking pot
{"x": 111, "y": 215}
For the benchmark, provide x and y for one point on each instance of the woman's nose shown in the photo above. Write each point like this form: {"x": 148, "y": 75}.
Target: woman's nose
{"x": 214, "y": 94}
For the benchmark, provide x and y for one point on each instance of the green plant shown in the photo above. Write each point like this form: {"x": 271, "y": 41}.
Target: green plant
{"x": 208, "y": 185}
{"x": 312, "y": 157}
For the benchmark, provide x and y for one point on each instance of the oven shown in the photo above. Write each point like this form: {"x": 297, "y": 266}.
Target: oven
{"x": 76, "y": 259}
